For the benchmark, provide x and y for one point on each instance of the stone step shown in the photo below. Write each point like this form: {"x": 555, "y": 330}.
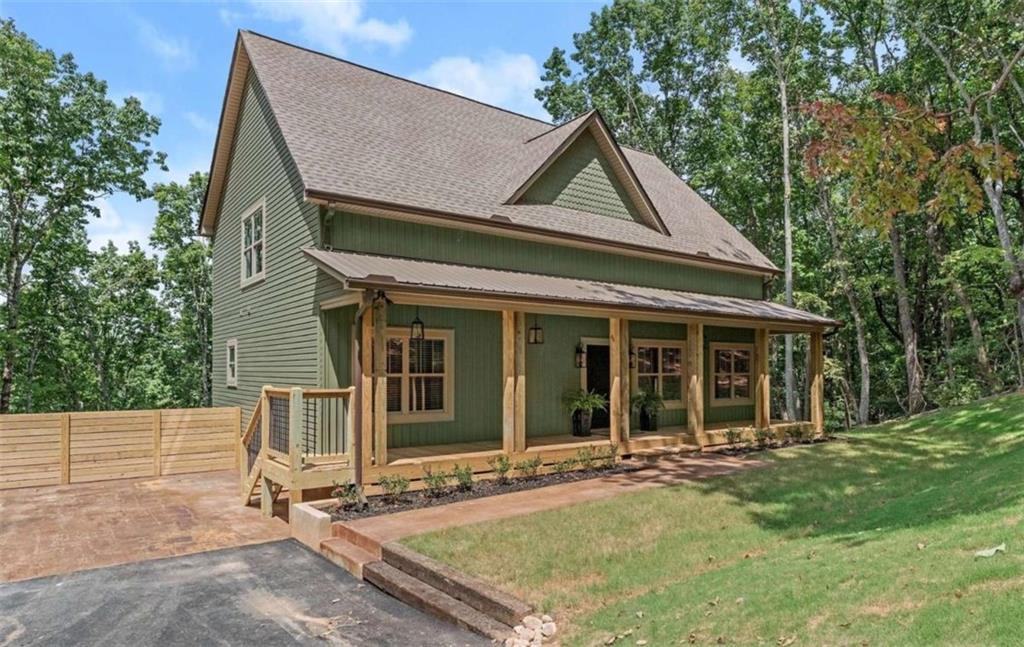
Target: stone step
{"x": 347, "y": 555}
{"x": 351, "y": 535}
{"x": 422, "y": 596}
{"x": 481, "y": 596}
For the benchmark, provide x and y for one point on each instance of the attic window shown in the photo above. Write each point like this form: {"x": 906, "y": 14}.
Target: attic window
{"x": 254, "y": 247}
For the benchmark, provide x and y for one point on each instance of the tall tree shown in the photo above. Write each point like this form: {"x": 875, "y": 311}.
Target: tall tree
{"x": 185, "y": 274}
{"x": 63, "y": 144}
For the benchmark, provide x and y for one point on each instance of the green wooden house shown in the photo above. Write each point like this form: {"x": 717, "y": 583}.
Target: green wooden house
{"x": 404, "y": 277}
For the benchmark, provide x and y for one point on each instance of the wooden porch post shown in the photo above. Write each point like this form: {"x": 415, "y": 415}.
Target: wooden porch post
{"x": 366, "y": 390}
{"x": 266, "y": 485}
{"x": 295, "y": 442}
{"x": 695, "y": 392}
{"x": 762, "y": 394}
{"x": 508, "y": 381}
{"x": 519, "y": 427}
{"x": 817, "y": 382}
{"x": 380, "y": 382}
{"x": 615, "y": 389}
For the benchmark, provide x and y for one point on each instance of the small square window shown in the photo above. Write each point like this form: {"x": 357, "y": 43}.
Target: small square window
{"x": 731, "y": 364}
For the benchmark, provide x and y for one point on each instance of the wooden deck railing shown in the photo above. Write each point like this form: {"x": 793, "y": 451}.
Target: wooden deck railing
{"x": 295, "y": 431}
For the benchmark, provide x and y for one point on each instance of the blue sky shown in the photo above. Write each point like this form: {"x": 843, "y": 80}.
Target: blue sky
{"x": 174, "y": 57}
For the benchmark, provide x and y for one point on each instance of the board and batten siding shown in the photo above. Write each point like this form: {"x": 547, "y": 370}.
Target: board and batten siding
{"x": 276, "y": 321}
{"x": 377, "y": 235}
{"x": 582, "y": 179}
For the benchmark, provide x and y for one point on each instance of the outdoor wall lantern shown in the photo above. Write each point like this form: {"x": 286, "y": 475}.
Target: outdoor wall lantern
{"x": 632, "y": 358}
{"x": 581, "y": 356}
{"x": 535, "y": 335}
{"x": 416, "y": 329}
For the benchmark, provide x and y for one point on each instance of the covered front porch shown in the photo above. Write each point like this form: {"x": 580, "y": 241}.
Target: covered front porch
{"x": 446, "y": 378}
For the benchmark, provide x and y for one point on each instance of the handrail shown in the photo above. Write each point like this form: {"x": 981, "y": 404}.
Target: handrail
{"x": 250, "y": 428}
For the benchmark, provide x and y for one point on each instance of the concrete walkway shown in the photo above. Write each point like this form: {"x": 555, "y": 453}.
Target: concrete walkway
{"x": 669, "y": 470}
{"x": 51, "y": 530}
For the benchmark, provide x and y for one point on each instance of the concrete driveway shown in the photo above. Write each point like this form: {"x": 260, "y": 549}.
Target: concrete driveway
{"x": 53, "y": 530}
{"x": 276, "y": 593}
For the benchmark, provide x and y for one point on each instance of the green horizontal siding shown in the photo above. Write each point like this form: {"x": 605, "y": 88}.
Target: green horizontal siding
{"x": 375, "y": 235}
{"x": 478, "y": 388}
{"x": 582, "y": 179}
{"x": 275, "y": 321}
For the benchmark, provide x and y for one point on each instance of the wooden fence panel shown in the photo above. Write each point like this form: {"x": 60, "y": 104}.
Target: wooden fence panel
{"x": 78, "y": 447}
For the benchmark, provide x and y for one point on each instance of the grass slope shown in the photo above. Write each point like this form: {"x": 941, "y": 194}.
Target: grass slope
{"x": 868, "y": 540}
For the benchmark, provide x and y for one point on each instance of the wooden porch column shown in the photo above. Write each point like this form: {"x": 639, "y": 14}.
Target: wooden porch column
{"x": 519, "y": 440}
{"x": 508, "y": 381}
{"x": 380, "y": 382}
{"x": 295, "y": 446}
{"x": 762, "y": 393}
{"x": 817, "y": 382}
{"x": 615, "y": 380}
{"x": 366, "y": 390}
{"x": 695, "y": 392}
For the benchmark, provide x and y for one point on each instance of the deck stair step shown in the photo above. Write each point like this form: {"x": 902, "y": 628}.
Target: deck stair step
{"x": 481, "y": 596}
{"x": 351, "y": 535}
{"x": 420, "y": 595}
{"x": 347, "y": 555}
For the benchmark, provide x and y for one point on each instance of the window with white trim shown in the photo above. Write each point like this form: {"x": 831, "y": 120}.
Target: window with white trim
{"x": 731, "y": 366}
{"x": 660, "y": 369}
{"x": 254, "y": 247}
{"x": 231, "y": 372}
{"x": 420, "y": 374}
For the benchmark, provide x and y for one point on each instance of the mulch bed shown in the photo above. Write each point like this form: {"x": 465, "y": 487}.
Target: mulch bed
{"x": 378, "y": 505}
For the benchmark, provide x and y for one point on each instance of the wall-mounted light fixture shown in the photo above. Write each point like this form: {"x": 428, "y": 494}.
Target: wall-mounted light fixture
{"x": 416, "y": 329}
{"x": 632, "y": 358}
{"x": 581, "y": 356}
{"x": 535, "y": 335}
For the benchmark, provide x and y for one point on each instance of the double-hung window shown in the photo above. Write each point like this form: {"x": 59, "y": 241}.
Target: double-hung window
{"x": 420, "y": 376}
{"x": 254, "y": 244}
{"x": 231, "y": 369}
{"x": 660, "y": 369}
{"x": 731, "y": 364}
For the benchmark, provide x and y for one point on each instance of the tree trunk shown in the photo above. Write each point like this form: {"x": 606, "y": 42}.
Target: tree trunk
{"x": 787, "y": 227}
{"x": 863, "y": 400}
{"x": 977, "y": 339}
{"x": 14, "y": 273}
{"x": 915, "y": 377}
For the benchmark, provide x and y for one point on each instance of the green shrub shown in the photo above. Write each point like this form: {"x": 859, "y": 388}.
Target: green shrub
{"x": 733, "y": 436}
{"x": 795, "y": 433}
{"x": 562, "y": 467}
{"x": 528, "y": 468}
{"x": 393, "y": 486}
{"x": 585, "y": 457}
{"x": 436, "y": 483}
{"x": 608, "y": 458}
{"x": 501, "y": 465}
{"x": 463, "y": 478}
{"x": 763, "y": 436}
{"x": 349, "y": 496}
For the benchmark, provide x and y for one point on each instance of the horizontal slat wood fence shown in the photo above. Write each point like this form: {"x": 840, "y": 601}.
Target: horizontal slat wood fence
{"x": 77, "y": 447}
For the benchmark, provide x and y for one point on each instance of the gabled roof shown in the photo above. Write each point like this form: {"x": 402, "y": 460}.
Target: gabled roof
{"x": 363, "y": 139}
{"x": 369, "y": 271}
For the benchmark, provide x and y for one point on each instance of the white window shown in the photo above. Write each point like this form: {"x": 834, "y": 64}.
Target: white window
{"x": 420, "y": 376}
{"x": 660, "y": 368}
{"x": 231, "y": 373}
{"x": 731, "y": 372}
{"x": 254, "y": 246}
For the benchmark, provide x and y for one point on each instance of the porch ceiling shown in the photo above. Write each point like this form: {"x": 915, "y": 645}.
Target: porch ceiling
{"x": 367, "y": 271}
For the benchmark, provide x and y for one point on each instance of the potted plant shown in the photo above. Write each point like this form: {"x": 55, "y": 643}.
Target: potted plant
{"x": 581, "y": 405}
{"x": 648, "y": 404}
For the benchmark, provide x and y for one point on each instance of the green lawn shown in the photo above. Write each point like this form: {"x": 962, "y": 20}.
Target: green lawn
{"x": 867, "y": 540}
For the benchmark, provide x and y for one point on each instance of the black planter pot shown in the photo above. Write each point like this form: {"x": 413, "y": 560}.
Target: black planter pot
{"x": 648, "y": 420}
{"x": 581, "y": 422}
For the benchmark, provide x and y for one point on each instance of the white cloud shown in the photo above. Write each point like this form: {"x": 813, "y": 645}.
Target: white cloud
{"x": 120, "y": 229}
{"x": 333, "y": 25}
{"x": 499, "y": 78}
{"x": 200, "y": 123}
{"x": 174, "y": 52}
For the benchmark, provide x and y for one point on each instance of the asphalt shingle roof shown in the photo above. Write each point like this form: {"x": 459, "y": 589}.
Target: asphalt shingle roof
{"x": 363, "y": 134}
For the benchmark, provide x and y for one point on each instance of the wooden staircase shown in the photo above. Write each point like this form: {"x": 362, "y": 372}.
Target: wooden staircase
{"x": 425, "y": 583}
{"x": 296, "y": 439}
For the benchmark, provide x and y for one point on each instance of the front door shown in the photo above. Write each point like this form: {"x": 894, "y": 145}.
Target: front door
{"x": 598, "y": 379}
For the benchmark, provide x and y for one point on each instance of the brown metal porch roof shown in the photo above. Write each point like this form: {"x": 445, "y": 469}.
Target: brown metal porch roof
{"x": 369, "y": 271}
